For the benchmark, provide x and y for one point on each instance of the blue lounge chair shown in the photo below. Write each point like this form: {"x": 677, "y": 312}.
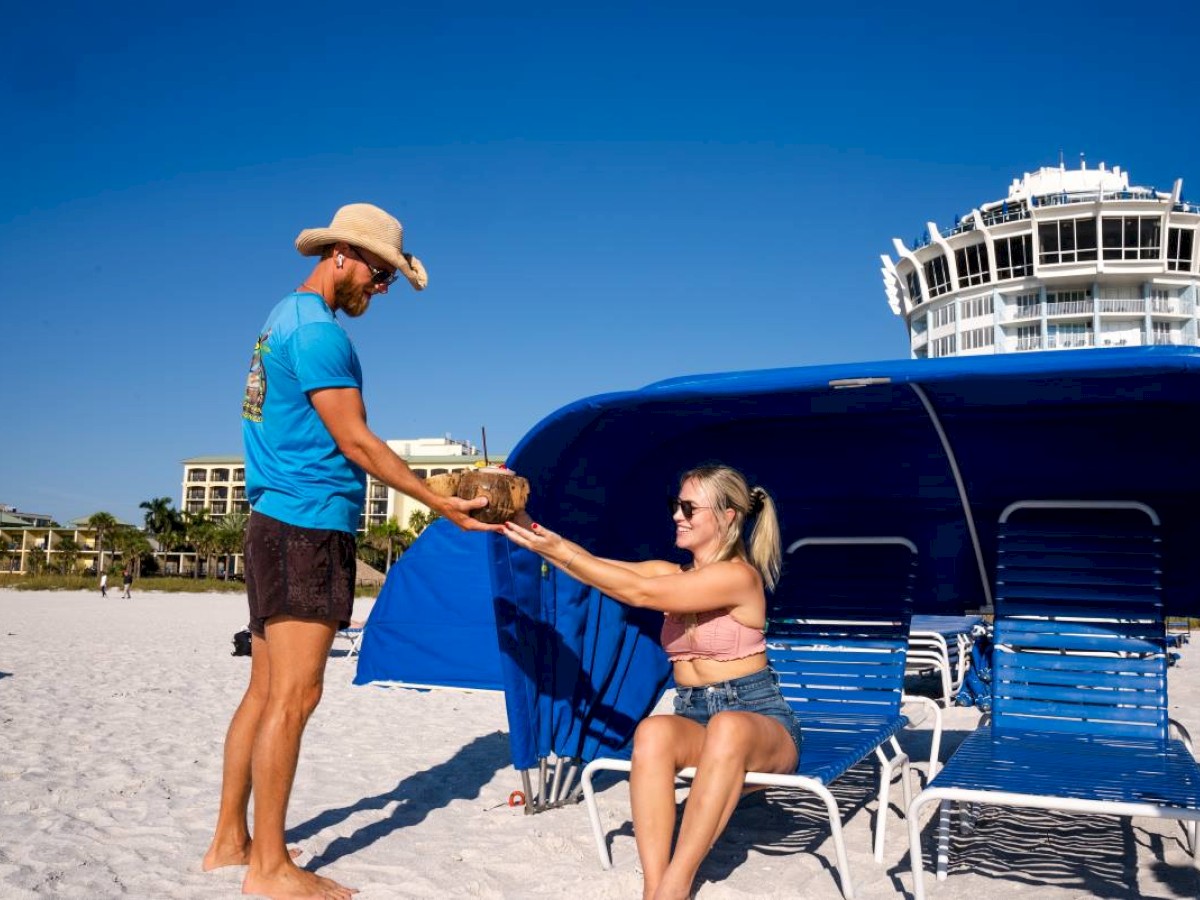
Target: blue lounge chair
{"x": 1079, "y": 718}
{"x": 837, "y": 634}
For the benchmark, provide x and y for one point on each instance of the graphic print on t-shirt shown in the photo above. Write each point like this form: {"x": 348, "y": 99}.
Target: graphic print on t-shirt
{"x": 256, "y": 382}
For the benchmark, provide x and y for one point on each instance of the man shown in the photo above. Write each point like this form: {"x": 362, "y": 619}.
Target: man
{"x": 307, "y": 448}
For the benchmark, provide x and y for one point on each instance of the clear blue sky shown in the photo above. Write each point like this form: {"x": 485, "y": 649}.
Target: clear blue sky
{"x": 603, "y": 197}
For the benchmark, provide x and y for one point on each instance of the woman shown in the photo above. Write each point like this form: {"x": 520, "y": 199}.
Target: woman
{"x": 730, "y": 717}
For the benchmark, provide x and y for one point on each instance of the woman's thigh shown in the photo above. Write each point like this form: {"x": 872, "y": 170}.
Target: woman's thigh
{"x": 670, "y": 736}
{"x": 762, "y": 742}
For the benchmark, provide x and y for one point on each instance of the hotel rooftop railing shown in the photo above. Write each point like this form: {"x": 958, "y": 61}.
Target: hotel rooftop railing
{"x": 1018, "y": 209}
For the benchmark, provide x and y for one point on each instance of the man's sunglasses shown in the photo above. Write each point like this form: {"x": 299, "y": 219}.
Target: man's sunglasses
{"x": 380, "y": 277}
{"x": 687, "y": 507}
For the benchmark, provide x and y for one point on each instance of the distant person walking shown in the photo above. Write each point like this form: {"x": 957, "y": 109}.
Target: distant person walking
{"x": 308, "y": 450}
{"x": 128, "y": 582}
{"x": 103, "y": 584}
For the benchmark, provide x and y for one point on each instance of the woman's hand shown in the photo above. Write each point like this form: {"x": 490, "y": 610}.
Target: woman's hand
{"x": 541, "y": 540}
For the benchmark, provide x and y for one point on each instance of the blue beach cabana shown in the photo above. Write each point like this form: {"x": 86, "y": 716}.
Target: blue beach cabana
{"x": 432, "y": 624}
{"x": 930, "y": 449}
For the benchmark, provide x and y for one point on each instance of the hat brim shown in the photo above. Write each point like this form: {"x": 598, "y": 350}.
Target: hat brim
{"x": 313, "y": 241}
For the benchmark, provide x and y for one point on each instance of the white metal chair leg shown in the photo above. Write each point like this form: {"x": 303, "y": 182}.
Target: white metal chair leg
{"x": 887, "y": 770}
{"x": 943, "y": 840}
{"x": 589, "y": 797}
{"x": 839, "y": 842}
{"x": 914, "y": 848}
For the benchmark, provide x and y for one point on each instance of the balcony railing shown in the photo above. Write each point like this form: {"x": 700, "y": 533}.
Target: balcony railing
{"x": 1121, "y": 306}
{"x": 1171, "y": 340}
{"x": 1069, "y": 308}
{"x": 1029, "y": 343}
{"x": 1070, "y": 341}
{"x": 1014, "y": 213}
{"x": 1172, "y": 306}
{"x": 1033, "y": 311}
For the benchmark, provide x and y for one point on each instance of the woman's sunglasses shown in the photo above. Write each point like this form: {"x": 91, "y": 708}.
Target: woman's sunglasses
{"x": 687, "y": 507}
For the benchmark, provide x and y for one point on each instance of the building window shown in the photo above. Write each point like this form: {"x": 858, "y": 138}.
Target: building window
{"x": 977, "y": 306}
{"x": 1179, "y": 249}
{"x": 239, "y": 474}
{"x": 978, "y": 337}
{"x": 1014, "y": 257}
{"x": 944, "y": 346}
{"x": 973, "y": 265}
{"x": 197, "y": 475}
{"x": 1132, "y": 237}
{"x": 1067, "y": 241}
{"x": 914, "y": 287}
{"x": 937, "y": 276}
{"x": 1029, "y": 337}
{"x": 943, "y": 316}
{"x": 219, "y": 475}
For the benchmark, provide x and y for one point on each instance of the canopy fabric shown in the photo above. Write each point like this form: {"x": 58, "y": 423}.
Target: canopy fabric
{"x": 433, "y": 623}
{"x": 929, "y": 449}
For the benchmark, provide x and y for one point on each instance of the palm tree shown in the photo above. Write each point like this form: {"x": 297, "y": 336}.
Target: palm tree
{"x": 201, "y": 533}
{"x": 103, "y": 524}
{"x": 164, "y": 522}
{"x": 132, "y": 545}
{"x": 231, "y": 536}
{"x": 381, "y": 537}
{"x": 68, "y": 552}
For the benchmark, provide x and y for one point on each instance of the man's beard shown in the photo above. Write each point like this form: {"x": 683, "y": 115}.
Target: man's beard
{"x": 349, "y": 298}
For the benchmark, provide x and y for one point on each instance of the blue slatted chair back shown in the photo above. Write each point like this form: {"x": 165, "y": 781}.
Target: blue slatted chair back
{"x": 837, "y": 628}
{"x": 1080, "y": 636}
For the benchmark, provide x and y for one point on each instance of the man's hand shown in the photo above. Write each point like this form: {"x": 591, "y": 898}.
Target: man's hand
{"x": 458, "y": 511}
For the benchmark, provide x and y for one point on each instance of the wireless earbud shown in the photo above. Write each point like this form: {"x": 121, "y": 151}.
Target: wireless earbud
{"x": 341, "y": 258}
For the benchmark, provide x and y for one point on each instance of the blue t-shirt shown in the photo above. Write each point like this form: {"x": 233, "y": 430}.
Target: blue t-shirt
{"x": 294, "y": 469}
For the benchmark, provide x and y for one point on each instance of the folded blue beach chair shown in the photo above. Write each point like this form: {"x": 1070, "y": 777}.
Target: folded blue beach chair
{"x": 837, "y": 634}
{"x": 1079, "y": 709}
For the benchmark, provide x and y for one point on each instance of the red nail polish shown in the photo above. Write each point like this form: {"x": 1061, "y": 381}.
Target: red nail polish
{"x": 534, "y": 526}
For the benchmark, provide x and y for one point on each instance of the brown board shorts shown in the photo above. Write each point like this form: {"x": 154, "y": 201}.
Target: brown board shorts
{"x": 304, "y": 572}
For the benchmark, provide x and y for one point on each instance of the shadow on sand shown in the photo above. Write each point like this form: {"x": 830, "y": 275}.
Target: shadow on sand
{"x": 459, "y": 778}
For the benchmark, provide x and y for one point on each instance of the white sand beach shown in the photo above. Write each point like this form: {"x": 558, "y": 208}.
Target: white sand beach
{"x": 112, "y": 716}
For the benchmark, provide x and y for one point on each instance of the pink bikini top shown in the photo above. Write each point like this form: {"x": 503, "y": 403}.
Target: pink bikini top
{"x": 717, "y": 636}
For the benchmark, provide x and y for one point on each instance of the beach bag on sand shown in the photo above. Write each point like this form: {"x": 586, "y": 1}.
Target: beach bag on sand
{"x": 241, "y": 643}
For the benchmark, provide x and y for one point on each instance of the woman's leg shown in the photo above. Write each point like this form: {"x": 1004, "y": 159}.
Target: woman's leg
{"x": 662, "y": 745}
{"x": 734, "y": 743}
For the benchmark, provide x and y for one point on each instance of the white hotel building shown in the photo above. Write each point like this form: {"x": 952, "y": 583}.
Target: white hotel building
{"x": 1071, "y": 258}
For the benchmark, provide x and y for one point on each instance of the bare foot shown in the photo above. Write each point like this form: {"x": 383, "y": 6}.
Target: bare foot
{"x": 294, "y": 883}
{"x": 221, "y": 856}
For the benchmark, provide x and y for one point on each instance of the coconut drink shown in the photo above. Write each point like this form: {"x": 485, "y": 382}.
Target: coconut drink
{"x": 506, "y": 491}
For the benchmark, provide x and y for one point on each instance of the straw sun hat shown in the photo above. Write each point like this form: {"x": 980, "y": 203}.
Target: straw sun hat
{"x": 369, "y": 227}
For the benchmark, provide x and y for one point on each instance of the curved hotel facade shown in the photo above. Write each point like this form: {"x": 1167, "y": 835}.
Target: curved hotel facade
{"x": 1070, "y": 259}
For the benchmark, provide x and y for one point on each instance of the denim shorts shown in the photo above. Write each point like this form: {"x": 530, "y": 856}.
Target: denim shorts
{"x": 758, "y": 693}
